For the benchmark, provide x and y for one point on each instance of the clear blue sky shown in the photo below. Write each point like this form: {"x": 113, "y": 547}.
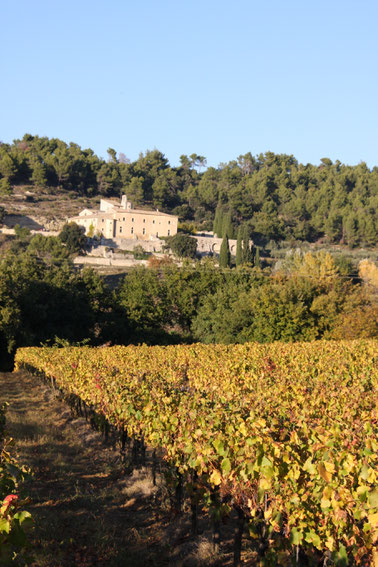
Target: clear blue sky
{"x": 212, "y": 77}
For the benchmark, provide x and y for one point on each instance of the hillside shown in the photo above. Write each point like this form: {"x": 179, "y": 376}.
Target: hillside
{"x": 38, "y": 208}
{"x": 273, "y": 195}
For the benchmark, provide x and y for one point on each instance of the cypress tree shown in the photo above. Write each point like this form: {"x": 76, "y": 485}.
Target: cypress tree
{"x": 247, "y": 252}
{"x": 257, "y": 258}
{"x": 218, "y": 222}
{"x": 227, "y": 229}
{"x": 225, "y": 255}
{"x": 239, "y": 248}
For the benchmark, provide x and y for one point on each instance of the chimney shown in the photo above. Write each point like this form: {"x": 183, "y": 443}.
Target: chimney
{"x": 124, "y": 201}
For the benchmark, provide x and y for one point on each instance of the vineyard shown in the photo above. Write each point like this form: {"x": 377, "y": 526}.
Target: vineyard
{"x": 282, "y": 437}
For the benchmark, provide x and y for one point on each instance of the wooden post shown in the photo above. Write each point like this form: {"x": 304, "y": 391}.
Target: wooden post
{"x": 179, "y": 493}
{"x": 154, "y": 467}
{"x": 194, "y": 505}
{"x": 238, "y": 537}
{"x": 216, "y": 520}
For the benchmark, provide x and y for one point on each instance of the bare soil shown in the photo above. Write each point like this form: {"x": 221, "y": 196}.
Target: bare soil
{"x": 88, "y": 510}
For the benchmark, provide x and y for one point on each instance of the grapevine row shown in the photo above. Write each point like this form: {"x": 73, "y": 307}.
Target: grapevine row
{"x": 284, "y": 433}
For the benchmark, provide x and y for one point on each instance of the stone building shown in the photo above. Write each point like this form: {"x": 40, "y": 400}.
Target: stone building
{"x": 117, "y": 220}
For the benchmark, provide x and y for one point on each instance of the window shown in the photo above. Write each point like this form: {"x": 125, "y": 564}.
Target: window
{"x": 144, "y": 231}
{"x": 132, "y": 220}
{"x": 132, "y": 230}
{"x": 169, "y": 232}
{"x": 157, "y": 234}
{"x": 102, "y": 220}
{"x": 169, "y": 222}
{"x": 153, "y": 222}
{"x": 120, "y": 229}
{"x": 123, "y": 219}
{"x": 144, "y": 220}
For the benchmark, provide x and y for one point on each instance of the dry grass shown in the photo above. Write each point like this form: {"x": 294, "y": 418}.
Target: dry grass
{"x": 139, "y": 484}
{"x": 32, "y": 207}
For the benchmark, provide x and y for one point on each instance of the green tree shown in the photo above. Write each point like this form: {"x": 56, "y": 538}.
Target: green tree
{"x": 41, "y": 300}
{"x": 239, "y": 248}
{"x": 5, "y": 186}
{"x": 198, "y": 161}
{"x": 256, "y": 260}
{"x": 218, "y": 222}
{"x": 48, "y": 248}
{"x": 164, "y": 189}
{"x": 225, "y": 255}
{"x": 108, "y": 179}
{"x": 8, "y": 168}
{"x": 247, "y": 252}
{"x": 38, "y": 176}
{"x": 333, "y": 226}
{"x": 22, "y": 232}
{"x": 351, "y": 230}
{"x": 112, "y": 155}
{"x": 135, "y": 192}
{"x": 73, "y": 236}
{"x": 186, "y": 286}
{"x": 142, "y": 295}
{"x": 227, "y": 228}
{"x": 182, "y": 245}
{"x": 370, "y": 231}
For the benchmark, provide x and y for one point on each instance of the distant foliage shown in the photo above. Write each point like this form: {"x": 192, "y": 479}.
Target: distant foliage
{"x": 305, "y": 298}
{"x": 275, "y": 195}
{"x": 42, "y": 297}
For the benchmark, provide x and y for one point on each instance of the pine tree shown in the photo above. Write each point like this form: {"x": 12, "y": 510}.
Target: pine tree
{"x": 7, "y": 166}
{"x": 225, "y": 255}
{"x": 239, "y": 248}
{"x": 369, "y": 234}
{"x": 350, "y": 225}
{"x": 5, "y": 186}
{"x": 38, "y": 177}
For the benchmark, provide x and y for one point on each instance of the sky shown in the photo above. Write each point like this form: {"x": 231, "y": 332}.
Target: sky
{"x": 214, "y": 78}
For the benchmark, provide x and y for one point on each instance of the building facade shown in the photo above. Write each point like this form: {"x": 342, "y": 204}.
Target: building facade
{"x": 117, "y": 220}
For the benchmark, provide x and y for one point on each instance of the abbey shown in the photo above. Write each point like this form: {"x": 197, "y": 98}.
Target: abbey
{"x": 120, "y": 220}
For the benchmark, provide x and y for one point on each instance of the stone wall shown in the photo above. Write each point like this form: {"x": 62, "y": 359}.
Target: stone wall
{"x": 110, "y": 261}
{"x": 206, "y": 245}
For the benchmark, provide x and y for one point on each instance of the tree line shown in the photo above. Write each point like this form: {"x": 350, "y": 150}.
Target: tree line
{"x": 44, "y": 299}
{"x": 272, "y": 195}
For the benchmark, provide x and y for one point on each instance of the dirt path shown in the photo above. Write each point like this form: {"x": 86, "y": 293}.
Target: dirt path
{"x": 87, "y": 511}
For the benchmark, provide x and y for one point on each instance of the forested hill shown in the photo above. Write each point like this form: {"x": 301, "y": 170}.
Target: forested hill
{"x": 274, "y": 195}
